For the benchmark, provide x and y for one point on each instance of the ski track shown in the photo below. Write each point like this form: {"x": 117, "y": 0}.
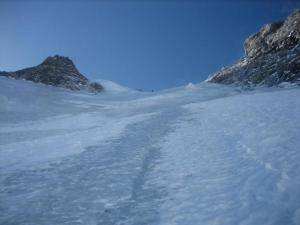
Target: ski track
{"x": 106, "y": 184}
{"x": 202, "y": 155}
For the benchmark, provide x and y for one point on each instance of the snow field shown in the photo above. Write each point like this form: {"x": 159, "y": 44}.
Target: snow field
{"x": 201, "y": 154}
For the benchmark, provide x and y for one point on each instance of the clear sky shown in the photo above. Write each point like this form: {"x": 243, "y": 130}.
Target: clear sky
{"x": 139, "y": 44}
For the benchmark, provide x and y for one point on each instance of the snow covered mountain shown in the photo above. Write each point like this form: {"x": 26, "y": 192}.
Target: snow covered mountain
{"x": 201, "y": 154}
{"x": 272, "y": 57}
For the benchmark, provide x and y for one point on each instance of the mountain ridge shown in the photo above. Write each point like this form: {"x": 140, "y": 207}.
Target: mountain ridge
{"x": 272, "y": 57}
{"x": 58, "y": 71}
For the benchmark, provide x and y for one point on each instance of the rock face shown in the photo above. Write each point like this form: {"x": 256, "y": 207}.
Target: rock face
{"x": 57, "y": 71}
{"x": 272, "y": 57}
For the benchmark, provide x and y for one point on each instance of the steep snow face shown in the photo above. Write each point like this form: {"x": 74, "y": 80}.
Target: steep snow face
{"x": 200, "y": 154}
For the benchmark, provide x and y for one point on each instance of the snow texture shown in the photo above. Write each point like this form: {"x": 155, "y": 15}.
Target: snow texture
{"x": 201, "y": 154}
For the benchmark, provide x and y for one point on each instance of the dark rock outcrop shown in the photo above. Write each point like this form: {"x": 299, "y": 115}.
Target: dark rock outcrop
{"x": 272, "y": 57}
{"x": 57, "y": 71}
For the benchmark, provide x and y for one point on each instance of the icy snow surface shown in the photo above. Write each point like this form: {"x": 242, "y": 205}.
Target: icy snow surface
{"x": 202, "y": 154}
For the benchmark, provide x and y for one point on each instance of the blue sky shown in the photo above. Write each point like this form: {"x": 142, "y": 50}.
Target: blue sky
{"x": 139, "y": 44}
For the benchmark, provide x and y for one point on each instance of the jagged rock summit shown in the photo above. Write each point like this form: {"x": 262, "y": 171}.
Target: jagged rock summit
{"x": 272, "y": 57}
{"x": 57, "y": 71}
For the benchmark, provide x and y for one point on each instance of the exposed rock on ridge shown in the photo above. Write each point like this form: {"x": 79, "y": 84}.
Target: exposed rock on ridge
{"x": 272, "y": 57}
{"x": 57, "y": 71}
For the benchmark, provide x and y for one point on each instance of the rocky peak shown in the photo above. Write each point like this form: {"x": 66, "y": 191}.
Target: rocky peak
{"x": 62, "y": 65}
{"x": 257, "y": 43}
{"x": 57, "y": 71}
{"x": 58, "y": 61}
{"x": 274, "y": 36}
{"x": 272, "y": 56}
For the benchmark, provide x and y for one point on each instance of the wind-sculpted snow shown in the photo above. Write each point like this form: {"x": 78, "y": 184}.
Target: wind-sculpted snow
{"x": 234, "y": 161}
{"x": 201, "y": 154}
{"x": 105, "y": 184}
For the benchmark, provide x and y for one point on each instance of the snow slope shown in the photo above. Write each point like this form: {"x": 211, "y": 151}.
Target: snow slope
{"x": 113, "y": 88}
{"x": 202, "y": 154}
